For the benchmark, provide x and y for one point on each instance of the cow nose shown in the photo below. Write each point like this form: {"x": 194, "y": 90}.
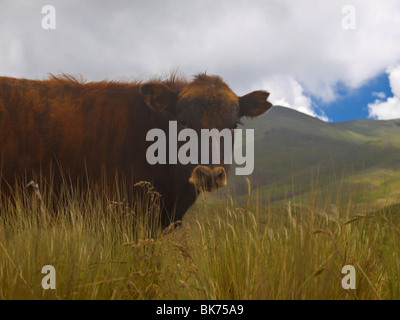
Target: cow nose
{"x": 208, "y": 179}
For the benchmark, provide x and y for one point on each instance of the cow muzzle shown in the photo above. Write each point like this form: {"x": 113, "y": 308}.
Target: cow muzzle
{"x": 208, "y": 179}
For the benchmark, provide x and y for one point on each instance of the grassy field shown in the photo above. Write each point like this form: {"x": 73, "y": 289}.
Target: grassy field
{"x": 224, "y": 250}
{"x": 292, "y": 149}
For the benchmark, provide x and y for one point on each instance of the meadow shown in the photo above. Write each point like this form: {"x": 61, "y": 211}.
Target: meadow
{"x": 226, "y": 249}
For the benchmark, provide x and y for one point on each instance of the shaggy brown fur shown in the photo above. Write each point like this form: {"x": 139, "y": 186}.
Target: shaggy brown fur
{"x": 94, "y": 130}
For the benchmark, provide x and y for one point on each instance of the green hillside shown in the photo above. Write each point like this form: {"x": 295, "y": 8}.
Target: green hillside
{"x": 296, "y": 154}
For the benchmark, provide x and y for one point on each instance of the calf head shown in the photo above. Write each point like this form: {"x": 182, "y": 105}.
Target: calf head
{"x": 207, "y": 102}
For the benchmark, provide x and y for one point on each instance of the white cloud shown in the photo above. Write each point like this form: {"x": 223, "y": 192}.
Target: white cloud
{"x": 386, "y": 110}
{"x": 394, "y": 78}
{"x": 389, "y": 109}
{"x": 287, "y": 92}
{"x": 379, "y": 95}
{"x": 243, "y": 41}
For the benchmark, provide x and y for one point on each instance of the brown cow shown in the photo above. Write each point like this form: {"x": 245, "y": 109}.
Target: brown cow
{"x": 92, "y": 129}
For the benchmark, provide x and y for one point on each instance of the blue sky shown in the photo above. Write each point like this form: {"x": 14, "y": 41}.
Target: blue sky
{"x": 353, "y": 103}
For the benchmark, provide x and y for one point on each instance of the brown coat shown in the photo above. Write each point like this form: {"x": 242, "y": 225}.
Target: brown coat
{"x": 91, "y": 131}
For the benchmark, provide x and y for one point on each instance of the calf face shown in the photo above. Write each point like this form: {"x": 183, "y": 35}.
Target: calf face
{"x": 205, "y": 103}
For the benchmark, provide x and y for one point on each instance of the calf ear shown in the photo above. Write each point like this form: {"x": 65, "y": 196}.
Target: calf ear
{"x": 159, "y": 97}
{"x": 254, "y": 104}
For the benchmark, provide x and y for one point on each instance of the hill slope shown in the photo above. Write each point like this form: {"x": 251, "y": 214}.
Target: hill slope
{"x": 295, "y": 153}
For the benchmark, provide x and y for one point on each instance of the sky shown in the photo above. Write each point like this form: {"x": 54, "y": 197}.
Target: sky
{"x": 335, "y": 60}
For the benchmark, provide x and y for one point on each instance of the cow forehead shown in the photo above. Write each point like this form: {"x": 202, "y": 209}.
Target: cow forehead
{"x": 212, "y": 101}
{"x": 209, "y": 88}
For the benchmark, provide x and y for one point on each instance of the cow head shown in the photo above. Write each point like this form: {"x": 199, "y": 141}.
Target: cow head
{"x": 205, "y": 103}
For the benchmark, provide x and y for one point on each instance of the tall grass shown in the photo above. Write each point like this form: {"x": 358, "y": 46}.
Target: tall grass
{"x": 110, "y": 250}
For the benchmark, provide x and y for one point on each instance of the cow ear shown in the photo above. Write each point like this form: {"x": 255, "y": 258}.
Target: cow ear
{"x": 159, "y": 97}
{"x": 254, "y": 104}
